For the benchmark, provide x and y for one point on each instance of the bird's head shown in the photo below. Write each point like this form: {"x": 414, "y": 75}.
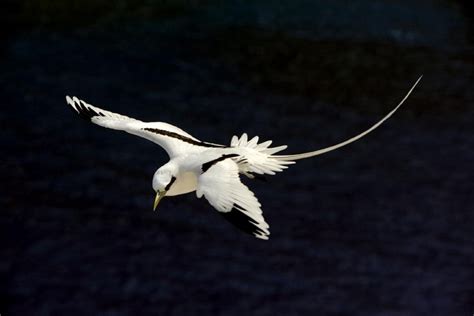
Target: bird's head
{"x": 163, "y": 179}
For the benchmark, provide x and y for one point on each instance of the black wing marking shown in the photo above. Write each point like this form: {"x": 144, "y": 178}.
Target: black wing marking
{"x": 244, "y": 222}
{"x": 181, "y": 137}
{"x": 87, "y": 113}
{"x": 209, "y": 164}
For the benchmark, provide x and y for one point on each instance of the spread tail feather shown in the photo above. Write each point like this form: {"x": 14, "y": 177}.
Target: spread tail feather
{"x": 347, "y": 142}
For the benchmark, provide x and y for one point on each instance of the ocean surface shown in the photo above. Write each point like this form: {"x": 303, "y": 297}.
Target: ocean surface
{"x": 384, "y": 226}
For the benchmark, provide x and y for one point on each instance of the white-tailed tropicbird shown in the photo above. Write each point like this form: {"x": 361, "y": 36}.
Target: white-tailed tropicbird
{"x": 211, "y": 169}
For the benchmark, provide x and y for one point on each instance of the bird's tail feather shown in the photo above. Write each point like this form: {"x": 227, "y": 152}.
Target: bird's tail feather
{"x": 258, "y": 158}
{"x": 347, "y": 142}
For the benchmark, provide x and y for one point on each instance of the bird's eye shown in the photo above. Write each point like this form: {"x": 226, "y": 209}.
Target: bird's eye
{"x": 173, "y": 179}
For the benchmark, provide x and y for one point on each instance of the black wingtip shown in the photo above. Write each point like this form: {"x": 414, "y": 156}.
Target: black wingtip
{"x": 81, "y": 108}
{"x": 245, "y": 223}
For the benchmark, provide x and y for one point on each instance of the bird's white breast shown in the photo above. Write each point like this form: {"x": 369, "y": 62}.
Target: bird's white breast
{"x": 185, "y": 182}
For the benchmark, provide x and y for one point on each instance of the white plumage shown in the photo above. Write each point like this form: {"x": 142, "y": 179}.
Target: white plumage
{"x": 212, "y": 170}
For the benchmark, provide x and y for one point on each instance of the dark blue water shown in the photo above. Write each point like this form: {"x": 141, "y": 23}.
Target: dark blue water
{"x": 382, "y": 227}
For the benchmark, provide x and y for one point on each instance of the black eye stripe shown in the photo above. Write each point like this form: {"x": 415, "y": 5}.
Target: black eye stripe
{"x": 173, "y": 179}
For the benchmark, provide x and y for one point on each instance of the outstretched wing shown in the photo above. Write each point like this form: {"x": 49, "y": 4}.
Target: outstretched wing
{"x": 173, "y": 139}
{"x": 220, "y": 184}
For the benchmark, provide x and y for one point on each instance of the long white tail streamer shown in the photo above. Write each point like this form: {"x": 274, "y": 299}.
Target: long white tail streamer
{"x": 351, "y": 140}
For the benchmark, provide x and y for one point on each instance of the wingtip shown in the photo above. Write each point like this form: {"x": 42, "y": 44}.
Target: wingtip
{"x": 71, "y": 102}
{"x": 86, "y": 111}
{"x": 262, "y": 237}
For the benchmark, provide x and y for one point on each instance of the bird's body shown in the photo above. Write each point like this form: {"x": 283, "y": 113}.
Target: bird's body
{"x": 212, "y": 170}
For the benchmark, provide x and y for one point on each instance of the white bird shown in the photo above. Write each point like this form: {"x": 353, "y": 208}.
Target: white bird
{"x": 212, "y": 170}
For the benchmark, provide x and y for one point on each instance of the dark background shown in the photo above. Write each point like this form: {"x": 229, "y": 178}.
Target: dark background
{"x": 382, "y": 227}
